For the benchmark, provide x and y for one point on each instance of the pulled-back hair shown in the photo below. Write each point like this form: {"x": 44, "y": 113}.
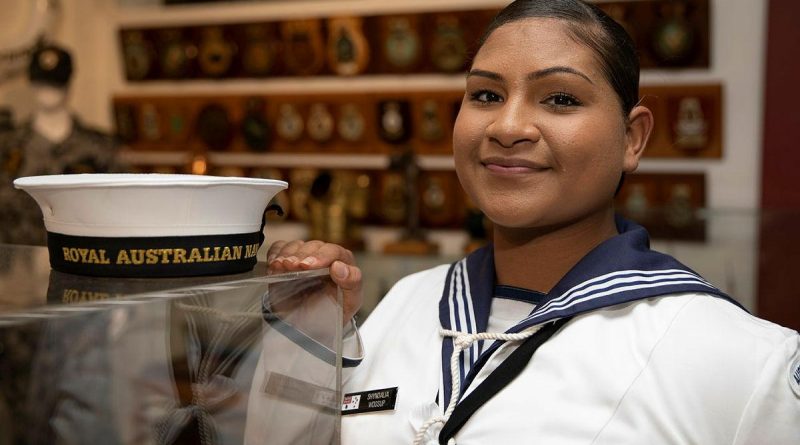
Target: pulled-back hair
{"x": 587, "y": 24}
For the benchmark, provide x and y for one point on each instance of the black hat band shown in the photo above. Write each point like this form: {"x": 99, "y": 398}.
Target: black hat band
{"x": 168, "y": 256}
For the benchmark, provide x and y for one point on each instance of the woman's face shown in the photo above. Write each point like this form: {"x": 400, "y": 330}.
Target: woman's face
{"x": 540, "y": 139}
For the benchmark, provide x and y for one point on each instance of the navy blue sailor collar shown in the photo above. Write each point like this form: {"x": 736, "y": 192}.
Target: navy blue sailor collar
{"x": 620, "y": 270}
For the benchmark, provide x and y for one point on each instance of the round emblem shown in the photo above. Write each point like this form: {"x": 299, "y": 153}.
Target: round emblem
{"x": 257, "y": 54}
{"x": 303, "y": 46}
{"x": 394, "y": 121}
{"x": 125, "y": 118}
{"x": 255, "y": 128}
{"x": 674, "y": 39}
{"x": 448, "y": 50}
{"x": 394, "y": 206}
{"x": 137, "y": 55}
{"x": 401, "y": 47}
{"x": 351, "y": 123}
{"x": 151, "y": 127}
{"x": 214, "y": 127}
{"x": 431, "y": 127}
{"x": 290, "y": 124}
{"x": 320, "y": 123}
{"x": 301, "y": 180}
{"x": 691, "y": 129}
{"x": 434, "y": 196}
{"x": 680, "y": 212}
{"x": 216, "y": 53}
{"x": 176, "y": 55}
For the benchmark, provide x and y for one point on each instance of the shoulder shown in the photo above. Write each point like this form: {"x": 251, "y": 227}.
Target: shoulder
{"x": 712, "y": 344}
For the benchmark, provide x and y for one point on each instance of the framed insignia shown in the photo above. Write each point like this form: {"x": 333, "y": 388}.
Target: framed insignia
{"x": 402, "y": 44}
{"x": 351, "y": 123}
{"x": 448, "y": 49}
{"x": 150, "y": 122}
{"x": 348, "y": 49}
{"x": 255, "y": 128}
{"x": 300, "y": 191}
{"x": 176, "y": 54}
{"x": 438, "y": 192}
{"x": 213, "y": 126}
{"x": 320, "y": 122}
{"x": 215, "y": 53}
{"x": 673, "y": 37}
{"x": 125, "y": 122}
{"x": 394, "y": 121}
{"x": 138, "y": 55}
{"x": 430, "y": 123}
{"x": 258, "y": 50}
{"x": 289, "y": 123}
{"x": 303, "y": 46}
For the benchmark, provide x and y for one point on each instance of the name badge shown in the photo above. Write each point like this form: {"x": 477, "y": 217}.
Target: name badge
{"x": 369, "y": 401}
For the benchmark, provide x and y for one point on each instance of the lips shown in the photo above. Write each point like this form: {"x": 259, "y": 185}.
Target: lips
{"x": 512, "y": 165}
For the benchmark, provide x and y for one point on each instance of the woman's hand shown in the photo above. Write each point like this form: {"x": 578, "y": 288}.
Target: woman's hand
{"x": 299, "y": 255}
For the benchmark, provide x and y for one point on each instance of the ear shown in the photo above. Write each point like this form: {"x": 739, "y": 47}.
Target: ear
{"x": 640, "y": 125}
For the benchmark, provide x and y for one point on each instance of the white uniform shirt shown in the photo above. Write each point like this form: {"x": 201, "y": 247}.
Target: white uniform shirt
{"x": 678, "y": 369}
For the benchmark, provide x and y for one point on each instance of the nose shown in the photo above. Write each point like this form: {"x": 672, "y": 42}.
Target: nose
{"x": 514, "y": 123}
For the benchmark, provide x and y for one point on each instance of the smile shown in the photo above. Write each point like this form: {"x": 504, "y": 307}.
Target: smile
{"x": 512, "y": 166}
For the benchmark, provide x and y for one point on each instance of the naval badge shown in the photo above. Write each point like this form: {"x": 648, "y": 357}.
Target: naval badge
{"x": 431, "y": 129}
{"x": 299, "y": 193}
{"x": 258, "y": 54}
{"x": 289, "y": 125}
{"x": 215, "y": 53}
{"x": 691, "y": 128}
{"x": 320, "y": 122}
{"x": 351, "y": 123}
{"x": 125, "y": 119}
{"x": 151, "y": 125}
{"x": 394, "y": 121}
{"x": 348, "y": 50}
{"x": 673, "y": 40}
{"x": 401, "y": 48}
{"x": 176, "y": 54}
{"x": 303, "y": 46}
{"x": 214, "y": 126}
{"x": 255, "y": 128}
{"x": 448, "y": 49}
{"x": 679, "y": 208}
{"x": 138, "y": 55}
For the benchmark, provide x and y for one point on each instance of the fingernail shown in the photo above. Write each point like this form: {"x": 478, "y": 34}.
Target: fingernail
{"x": 309, "y": 261}
{"x": 340, "y": 270}
{"x": 291, "y": 259}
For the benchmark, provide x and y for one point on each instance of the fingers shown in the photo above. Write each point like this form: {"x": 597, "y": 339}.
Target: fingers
{"x": 303, "y": 255}
{"x": 348, "y": 278}
{"x": 299, "y": 255}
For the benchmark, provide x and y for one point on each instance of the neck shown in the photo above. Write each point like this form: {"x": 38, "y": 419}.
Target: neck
{"x": 537, "y": 259}
{"x": 54, "y": 124}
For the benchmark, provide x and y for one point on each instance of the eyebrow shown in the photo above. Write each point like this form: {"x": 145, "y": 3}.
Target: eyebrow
{"x": 532, "y": 76}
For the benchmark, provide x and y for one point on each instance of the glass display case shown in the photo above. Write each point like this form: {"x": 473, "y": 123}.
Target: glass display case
{"x": 201, "y": 360}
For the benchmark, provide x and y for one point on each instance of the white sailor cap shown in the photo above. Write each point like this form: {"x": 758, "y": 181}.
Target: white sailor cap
{"x": 152, "y": 225}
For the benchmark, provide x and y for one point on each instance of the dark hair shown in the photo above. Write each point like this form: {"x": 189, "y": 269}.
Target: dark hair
{"x": 588, "y": 24}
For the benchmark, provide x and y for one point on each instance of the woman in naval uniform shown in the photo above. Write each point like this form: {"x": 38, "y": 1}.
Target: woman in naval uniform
{"x": 567, "y": 329}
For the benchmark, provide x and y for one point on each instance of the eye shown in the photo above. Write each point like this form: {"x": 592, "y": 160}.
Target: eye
{"x": 562, "y": 100}
{"x": 485, "y": 96}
